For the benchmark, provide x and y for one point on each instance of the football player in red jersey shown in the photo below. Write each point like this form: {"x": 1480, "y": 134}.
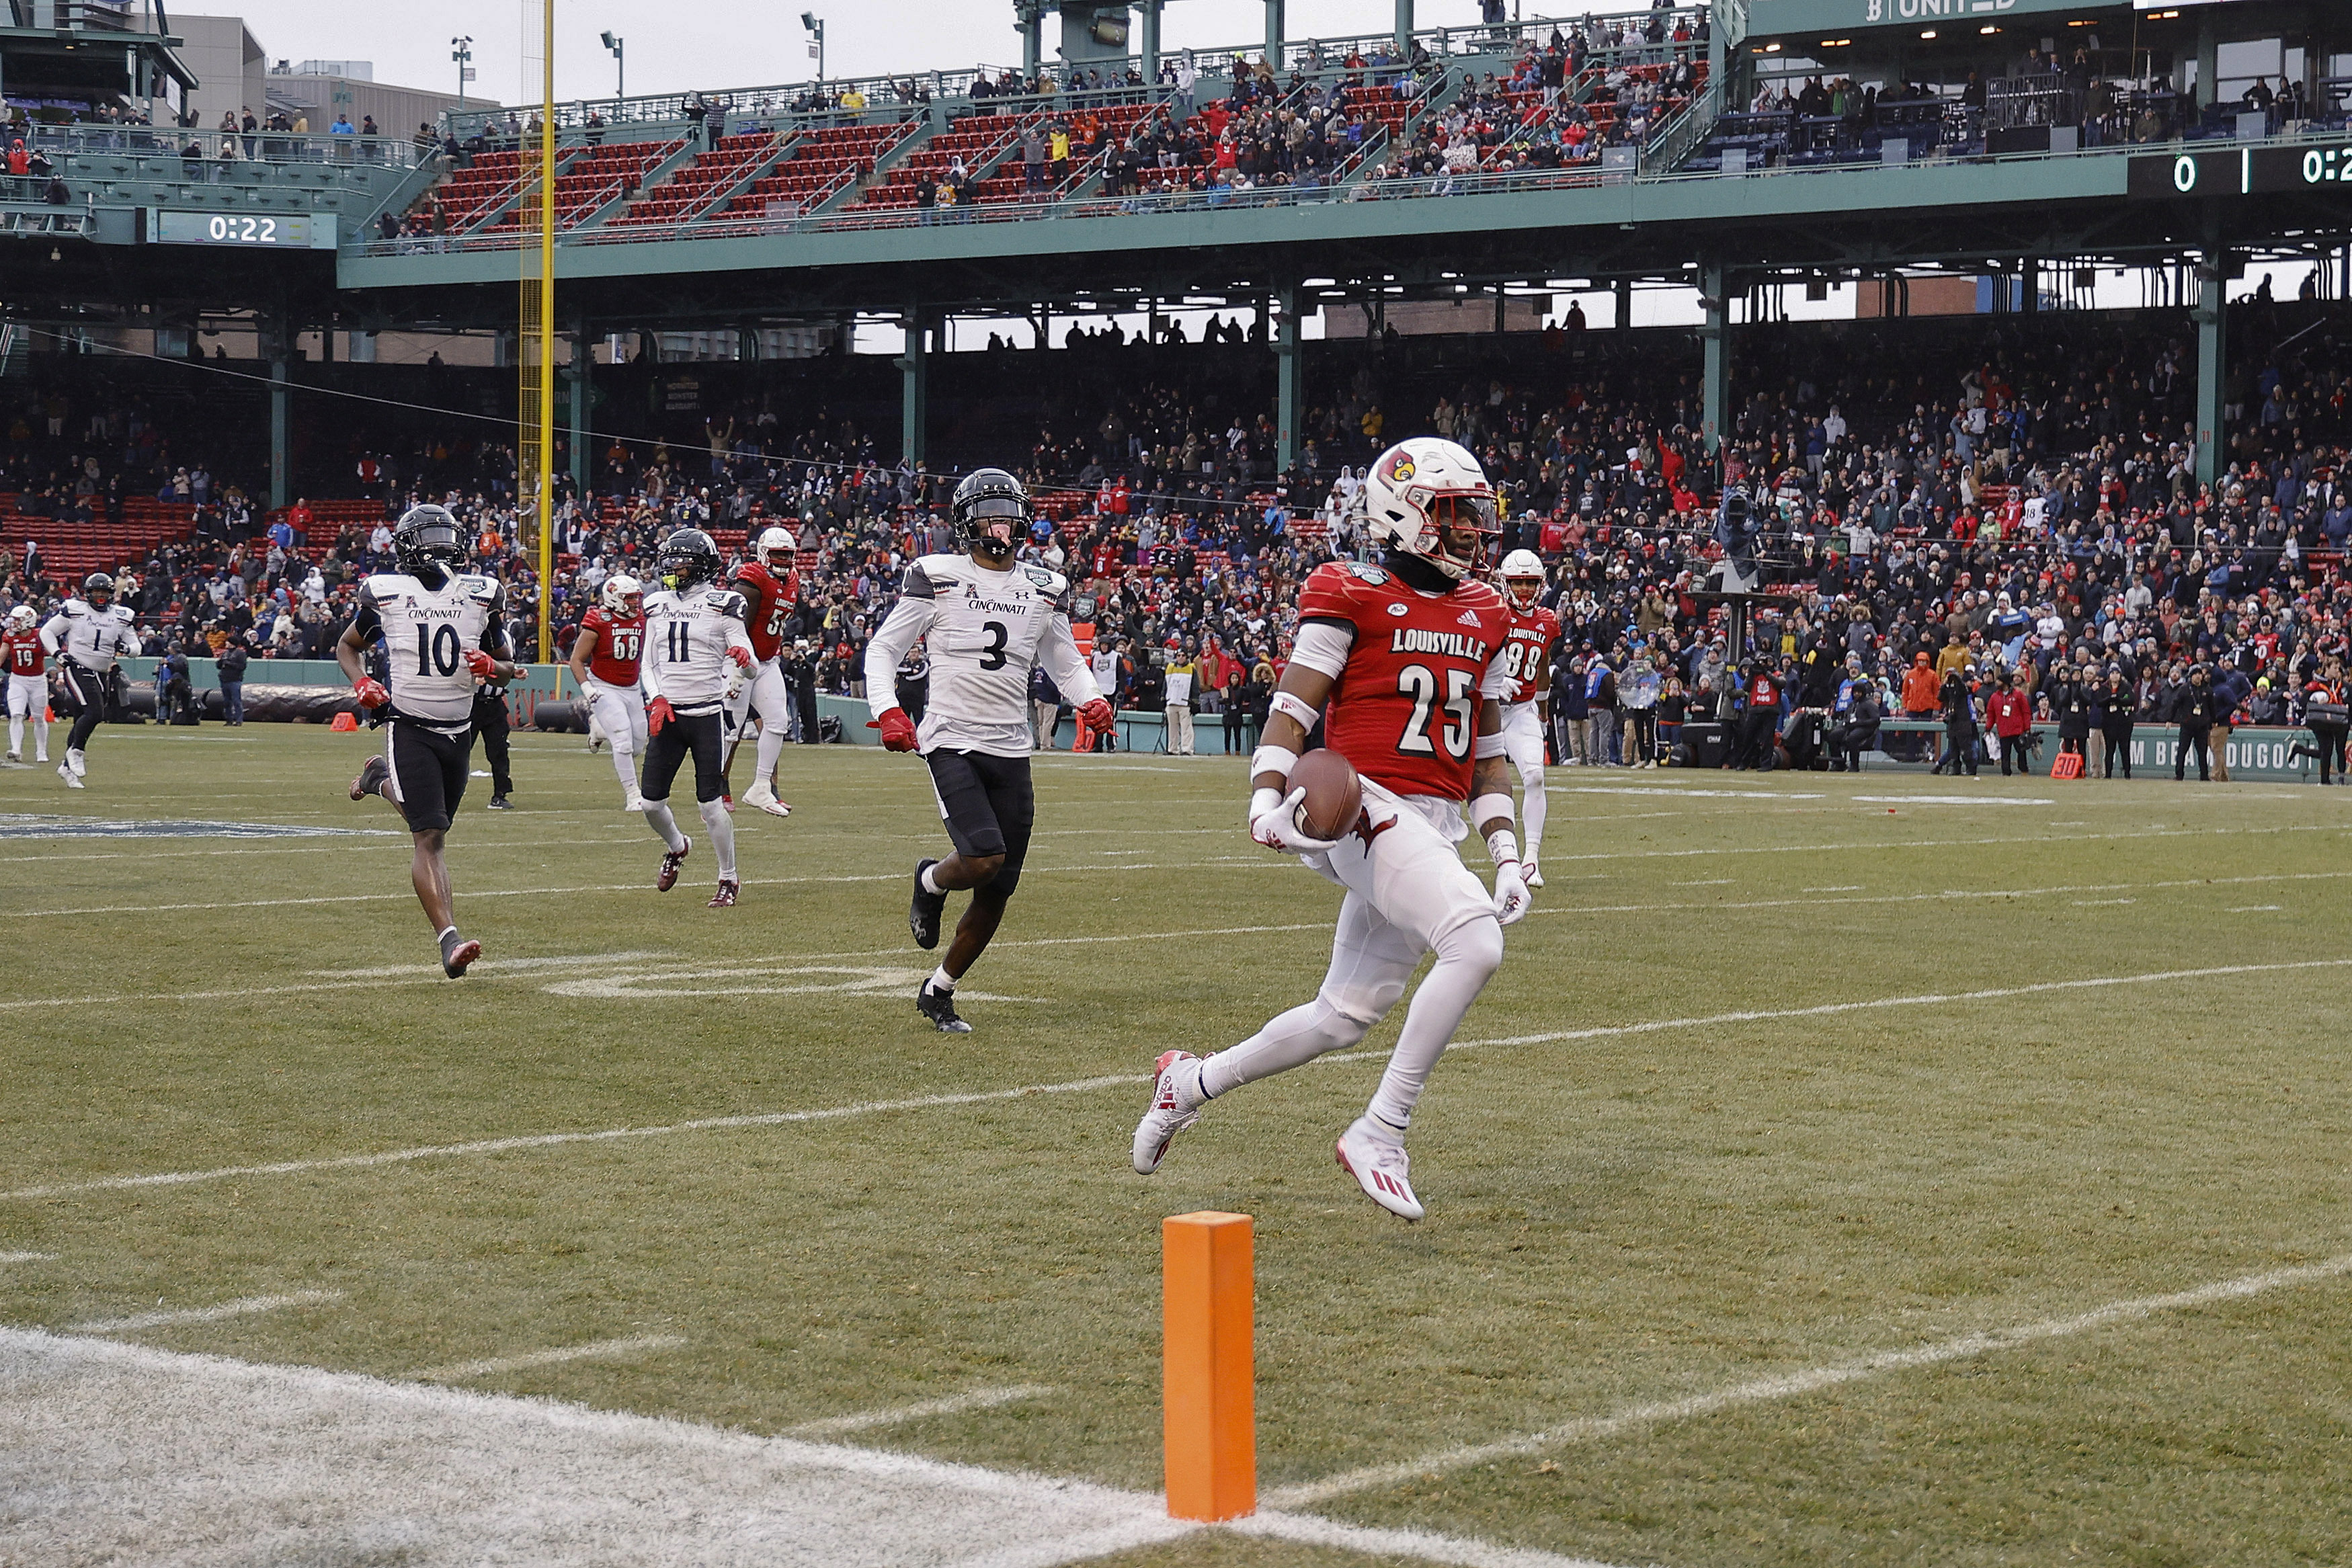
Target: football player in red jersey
{"x": 606, "y": 659}
{"x": 771, "y": 589}
{"x": 28, "y": 681}
{"x": 1527, "y": 707}
{"x": 1410, "y": 657}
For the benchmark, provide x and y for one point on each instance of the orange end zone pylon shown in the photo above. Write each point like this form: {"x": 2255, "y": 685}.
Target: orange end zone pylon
{"x": 1208, "y": 1397}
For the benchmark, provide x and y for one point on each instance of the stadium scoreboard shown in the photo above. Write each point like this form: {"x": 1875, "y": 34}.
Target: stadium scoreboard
{"x": 2244, "y": 171}
{"x": 243, "y": 231}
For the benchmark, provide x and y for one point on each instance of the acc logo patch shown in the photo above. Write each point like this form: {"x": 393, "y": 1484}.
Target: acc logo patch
{"x": 1372, "y": 574}
{"x": 1399, "y": 610}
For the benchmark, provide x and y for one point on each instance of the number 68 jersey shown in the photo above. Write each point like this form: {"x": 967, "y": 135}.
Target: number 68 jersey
{"x": 427, "y": 632}
{"x": 1405, "y": 710}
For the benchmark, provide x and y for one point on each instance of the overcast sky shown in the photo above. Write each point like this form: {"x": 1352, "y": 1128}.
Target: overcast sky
{"x": 681, "y": 44}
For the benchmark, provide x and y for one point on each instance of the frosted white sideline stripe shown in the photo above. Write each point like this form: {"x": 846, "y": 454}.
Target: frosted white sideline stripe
{"x": 172, "y": 1317}
{"x": 1956, "y": 799}
{"x": 1680, "y": 794}
{"x": 950, "y": 1404}
{"x": 1307, "y": 1530}
{"x": 28, "y": 1256}
{"x": 1788, "y": 1386}
{"x": 1110, "y": 1081}
{"x": 594, "y": 1349}
{"x": 102, "y": 1434}
{"x": 569, "y": 961}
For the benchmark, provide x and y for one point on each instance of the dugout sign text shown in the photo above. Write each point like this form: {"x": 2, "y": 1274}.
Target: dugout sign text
{"x": 2243, "y": 171}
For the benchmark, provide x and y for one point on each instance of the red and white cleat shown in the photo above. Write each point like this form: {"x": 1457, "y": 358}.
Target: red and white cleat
{"x": 1375, "y": 1156}
{"x": 764, "y": 797}
{"x": 725, "y": 897}
{"x": 1175, "y": 1105}
{"x": 671, "y": 860}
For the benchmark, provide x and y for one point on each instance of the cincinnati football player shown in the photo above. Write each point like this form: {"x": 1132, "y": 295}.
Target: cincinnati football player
{"x": 28, "y": 683}
{"x": 988, "y": 622}
{"x": 1404, "y": 662}
{"x": 442, "y": 638}
{"x": 87, "y": 636}
{"x": 770, "y": 589}
{"x": 604, "y": 661}
{"x": 697, "y": 658}
{"x": 1527, "y": 706}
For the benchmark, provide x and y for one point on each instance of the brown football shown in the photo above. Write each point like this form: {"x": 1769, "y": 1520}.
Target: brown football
{"x": 1334, "y": 798}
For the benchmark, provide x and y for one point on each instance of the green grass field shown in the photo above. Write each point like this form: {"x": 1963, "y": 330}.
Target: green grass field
{"x": 1783, "y": 1075}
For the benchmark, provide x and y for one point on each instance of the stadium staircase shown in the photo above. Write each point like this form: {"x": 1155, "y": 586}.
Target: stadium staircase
{"x": 823, "y": 167}
{"x": 710, "y": 181}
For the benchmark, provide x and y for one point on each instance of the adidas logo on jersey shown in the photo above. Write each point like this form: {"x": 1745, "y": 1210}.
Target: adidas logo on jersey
{"x": 1470, "y": 618}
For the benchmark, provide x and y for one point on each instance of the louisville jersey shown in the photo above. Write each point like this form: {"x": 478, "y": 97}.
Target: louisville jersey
{"x": 770, "y": 600}
{"x": 986, "y": 632}
{"x": 426, "y": 633}
{"x": 620, "y": 642}
{"x": 686, "y": 637}
{"x": 23, "y": 652}
{"x": 92, "y": 637}
{"x": 1405, "y": 708}
{"x": 1526, "y": 653}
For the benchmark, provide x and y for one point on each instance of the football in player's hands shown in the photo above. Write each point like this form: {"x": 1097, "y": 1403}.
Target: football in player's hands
{"x": 370, "y": 692}
{"x": 1335, "y": 797}
{"x": 658, "y": 712}
{"x": 481, "y": 664}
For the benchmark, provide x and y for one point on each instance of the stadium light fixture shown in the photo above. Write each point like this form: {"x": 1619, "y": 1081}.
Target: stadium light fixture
{"x": 617, "y": 49}
{"x": 1988, "y": 29}
{"x": 815, "y": 26}
{"x": 462, "y": 51}
{"x": 1929, "y": 33}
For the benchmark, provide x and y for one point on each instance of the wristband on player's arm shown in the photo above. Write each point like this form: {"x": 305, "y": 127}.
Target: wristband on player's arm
{"x": 1295, "y": 709}
{"x": 1278, "y": 759}
{"x": 1502, "y": 843}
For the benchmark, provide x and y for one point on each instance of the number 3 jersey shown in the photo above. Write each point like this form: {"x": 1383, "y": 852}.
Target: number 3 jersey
{"x": 986, "y": 632}
{"x": 1412, "y": 668}
{"x": 427, "y": 632}
{"x": 687, "y": 634}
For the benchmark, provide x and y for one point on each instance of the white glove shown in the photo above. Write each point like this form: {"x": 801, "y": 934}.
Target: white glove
{"x": 1274, "y": 822}
{"x": 1512, "y": 899}
{"x": 737, "y": 679}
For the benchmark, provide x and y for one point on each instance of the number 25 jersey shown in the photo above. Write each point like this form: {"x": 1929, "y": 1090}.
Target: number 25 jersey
{"x": 427, "y": 632}
{"x": 1405, "y": 710}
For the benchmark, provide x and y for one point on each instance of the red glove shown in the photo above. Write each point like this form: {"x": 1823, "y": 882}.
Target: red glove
{"x": 481, "y": 664}
{"x": 740, "y": 654}
{"x": 897, "y": 730}
{"x": 1097, "y": 714}
{"x": 370, "y": 692}
{"x": 658, "y": 712}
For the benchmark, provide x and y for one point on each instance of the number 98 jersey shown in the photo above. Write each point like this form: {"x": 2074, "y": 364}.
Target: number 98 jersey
{"x": 1405, "y": 710}
{"x": 427, "y": 632}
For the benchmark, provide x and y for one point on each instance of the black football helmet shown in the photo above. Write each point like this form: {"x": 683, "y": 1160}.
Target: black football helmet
{"x": 987, "y": 498}
{"x": 97, "y": 590}
{"x": 429, "y": 536}
{"x": 688, "y": 557}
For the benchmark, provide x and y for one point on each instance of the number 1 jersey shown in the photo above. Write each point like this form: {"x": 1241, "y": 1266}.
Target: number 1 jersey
{"x": 1405, "y": 710}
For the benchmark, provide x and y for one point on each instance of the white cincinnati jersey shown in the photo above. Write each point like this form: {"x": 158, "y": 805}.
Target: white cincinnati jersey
{"x": 426, "y": 633}
{"x": 986, "y": 631}
{"x": 686, "y": 637}
{"x": 92, "y": 638}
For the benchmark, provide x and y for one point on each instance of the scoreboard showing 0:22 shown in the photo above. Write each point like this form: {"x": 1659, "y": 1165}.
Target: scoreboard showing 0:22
{"x": 248, "y": 231}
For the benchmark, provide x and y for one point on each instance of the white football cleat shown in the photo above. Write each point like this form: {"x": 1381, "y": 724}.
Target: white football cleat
{"x": 73, "y": 780}
{"x": 77, "y": 762}
{"x": 1530, "y": 875}
{"x": 1376, "y": 1158}
{"x": 1167, "y": 1118}
{"x": 762, "y": 796}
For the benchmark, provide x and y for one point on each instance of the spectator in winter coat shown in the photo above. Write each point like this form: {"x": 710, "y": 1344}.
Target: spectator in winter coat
{"x": 2012, "y": 717}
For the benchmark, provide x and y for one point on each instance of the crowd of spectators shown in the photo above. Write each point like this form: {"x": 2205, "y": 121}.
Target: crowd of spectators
{"x": 1966, "y": 527}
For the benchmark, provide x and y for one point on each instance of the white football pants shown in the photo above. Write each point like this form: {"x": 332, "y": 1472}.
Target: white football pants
{"x": 1409, "y": 895}
{"x": 1523, "y": 743}
{"x": 765, "y": 694}
{"x": 28, "y": 702}
{"x": 620, "y": 712}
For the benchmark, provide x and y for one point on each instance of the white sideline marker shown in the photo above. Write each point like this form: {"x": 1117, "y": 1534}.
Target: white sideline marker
{"x": 951, "y": 1404}
{"x": 28, "y": 1256}
{"x": 173, "y": 1317}
{"x": 1118, "y": 1080}
{"x": 594, "y": 1349}
{"x": 1790, "y": 1385}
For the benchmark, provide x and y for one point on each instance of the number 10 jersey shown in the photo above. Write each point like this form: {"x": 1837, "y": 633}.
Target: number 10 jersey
{"x": 427, "y": 632}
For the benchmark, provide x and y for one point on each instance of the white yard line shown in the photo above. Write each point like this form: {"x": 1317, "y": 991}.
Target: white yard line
{"x": 122, "y": 1453}
{"x": 28, "y": 1256}
{"x": 1788, "y": 1386}
{"x": 176, "y": 1316}
{"x": 949, "y": 1405}
{"x": 1955, "y": 799}
{"x": 594, "y": 1349}
{"x": 1120, "y": 1079}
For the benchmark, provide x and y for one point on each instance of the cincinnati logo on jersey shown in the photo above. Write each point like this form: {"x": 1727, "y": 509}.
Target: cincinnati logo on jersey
{"x": 1452, "y": 645}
